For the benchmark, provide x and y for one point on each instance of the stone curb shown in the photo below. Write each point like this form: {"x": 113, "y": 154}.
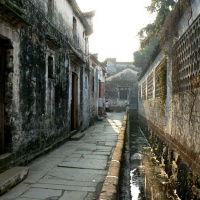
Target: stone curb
{"x": 110, "y": 186}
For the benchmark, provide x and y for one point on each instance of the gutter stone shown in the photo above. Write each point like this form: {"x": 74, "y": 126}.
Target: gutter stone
{"x": 111, "y": 183}
{"x": 12, "y": 177}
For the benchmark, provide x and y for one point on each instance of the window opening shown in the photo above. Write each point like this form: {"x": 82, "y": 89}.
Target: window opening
{"x": 50, "y": 67}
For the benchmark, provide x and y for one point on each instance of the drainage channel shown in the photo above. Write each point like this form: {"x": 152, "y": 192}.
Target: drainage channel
{"x": 142, "y": 177}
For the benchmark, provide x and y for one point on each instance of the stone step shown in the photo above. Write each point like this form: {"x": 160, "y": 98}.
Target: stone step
{"x": 12, "y": 177}
{"x": 77, "y": 136}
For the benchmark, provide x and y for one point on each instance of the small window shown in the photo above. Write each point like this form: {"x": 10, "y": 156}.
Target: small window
{"x": 50, "y": 67}
{"x": 93, "y": 84}
{"x": 144, "y": 90}
{"x": 50, "y": 8}
{"x": 74, "y": 26}
{"x": 123, "y": 93}
{"x": 86, "y": 82}
{"x": 150, "y": 86}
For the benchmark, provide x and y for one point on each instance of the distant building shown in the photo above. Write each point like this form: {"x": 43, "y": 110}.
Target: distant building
{"x": 121, "y": 83}
{"x": 97, "y": 87}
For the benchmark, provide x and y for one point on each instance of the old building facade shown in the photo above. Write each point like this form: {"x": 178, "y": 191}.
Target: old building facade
{"x": 169, "y": 105}
{"x": 97, "y": 87}
{"x": 45, "y": 62}
{"x": 121, "y": 84}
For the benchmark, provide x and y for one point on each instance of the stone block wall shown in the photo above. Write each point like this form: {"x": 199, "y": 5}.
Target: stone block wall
{"x": 182, "y": 177}
{"x": 172, "y": 122}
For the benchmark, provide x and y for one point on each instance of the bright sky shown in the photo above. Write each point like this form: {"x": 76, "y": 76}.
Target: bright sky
{"x": 116, "y": 24}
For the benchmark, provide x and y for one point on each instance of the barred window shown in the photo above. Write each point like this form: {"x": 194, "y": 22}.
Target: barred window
{"x": 50, "y": 67}
{"x": 160, "y": 78}
{"x": 123, "y": 93}
{"x": 157, "y": 85}
{"x": 186, "y": 59}
{"x": 144, "y": 90}
{"x": 150, "y": 86}
{"x": 139, "y": 92}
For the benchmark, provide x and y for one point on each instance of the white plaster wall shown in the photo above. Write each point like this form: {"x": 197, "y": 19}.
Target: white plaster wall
{"x": 63, "y": 18}
{"x": 86, "y": 102}
{"x": 65, "y": 10}
{"x": 181, "y": 120}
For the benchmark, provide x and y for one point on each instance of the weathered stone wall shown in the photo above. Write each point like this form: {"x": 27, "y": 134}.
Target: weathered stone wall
{"x": 182, "y": 177}
{"x": 93, "y": 88}
{"x": 38, "y": 94}
{"x": 86, "y": 95}
{"x": 43, "y": 105}
{"x": 172, "y": 125}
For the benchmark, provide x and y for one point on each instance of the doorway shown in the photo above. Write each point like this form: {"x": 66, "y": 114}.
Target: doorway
{"x": 5, "y": 59}
{"x": 74, "y": 103}
{"x": 2, "y": 96}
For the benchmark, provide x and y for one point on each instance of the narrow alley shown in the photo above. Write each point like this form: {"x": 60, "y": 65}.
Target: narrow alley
{"x": 99, "y": 100}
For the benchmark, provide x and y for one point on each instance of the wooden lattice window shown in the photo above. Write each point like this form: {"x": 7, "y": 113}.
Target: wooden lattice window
{"x": 144, "y": 90}
{"x": 161, "y": 78}
{"x": 150, "y": 86}
{"x": 139, "y": 92}
{"x": 157, "y": 85}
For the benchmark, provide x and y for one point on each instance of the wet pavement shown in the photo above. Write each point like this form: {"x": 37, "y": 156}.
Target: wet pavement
{"x": 75, "y": 170}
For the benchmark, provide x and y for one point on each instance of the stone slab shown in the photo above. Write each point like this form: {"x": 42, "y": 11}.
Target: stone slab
{"x": 42, "y": 193}
{"x": 86, "y": 164}
{"x": 73, "y": 195}
{"x": 12, "y": 177}
{"x": 34, "y": 176}
{"x": 97, "y": 157}
{"x": 15, "y": 192}
{"x": 68, "y": 182}
{"x": 45, "y": 164}
{"x": 77, "y": 136}
{"x": 76, "y": 174}
{"x": 63, "y": 187}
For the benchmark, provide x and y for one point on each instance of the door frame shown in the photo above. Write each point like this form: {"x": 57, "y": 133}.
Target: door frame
{"x": 74, "y": 102}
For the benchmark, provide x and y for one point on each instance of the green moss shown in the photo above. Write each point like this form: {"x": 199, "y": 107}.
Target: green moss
{"x": 163, "y": 84}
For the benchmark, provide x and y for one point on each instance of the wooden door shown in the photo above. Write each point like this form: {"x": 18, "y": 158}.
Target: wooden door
{"x": 2, "y": 96}
{"x": 74, "y": 103}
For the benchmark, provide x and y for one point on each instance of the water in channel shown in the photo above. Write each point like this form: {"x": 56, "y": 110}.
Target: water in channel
{"x": 148, "y": 181}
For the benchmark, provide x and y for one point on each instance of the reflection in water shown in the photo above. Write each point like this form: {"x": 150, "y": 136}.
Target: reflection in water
{"x": 148, "y": 178}
{"x": 137, "y": 189}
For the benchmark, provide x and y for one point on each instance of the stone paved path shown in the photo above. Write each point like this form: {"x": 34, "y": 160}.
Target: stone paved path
{"x": 74, "y": 171}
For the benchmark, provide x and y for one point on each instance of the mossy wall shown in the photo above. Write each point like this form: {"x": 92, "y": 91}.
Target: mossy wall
{"x": 182, "y": 177}
{"x": 32, "y": 130}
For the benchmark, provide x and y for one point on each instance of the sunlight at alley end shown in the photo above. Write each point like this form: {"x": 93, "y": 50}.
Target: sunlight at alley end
{"x": 99, "y": 99}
